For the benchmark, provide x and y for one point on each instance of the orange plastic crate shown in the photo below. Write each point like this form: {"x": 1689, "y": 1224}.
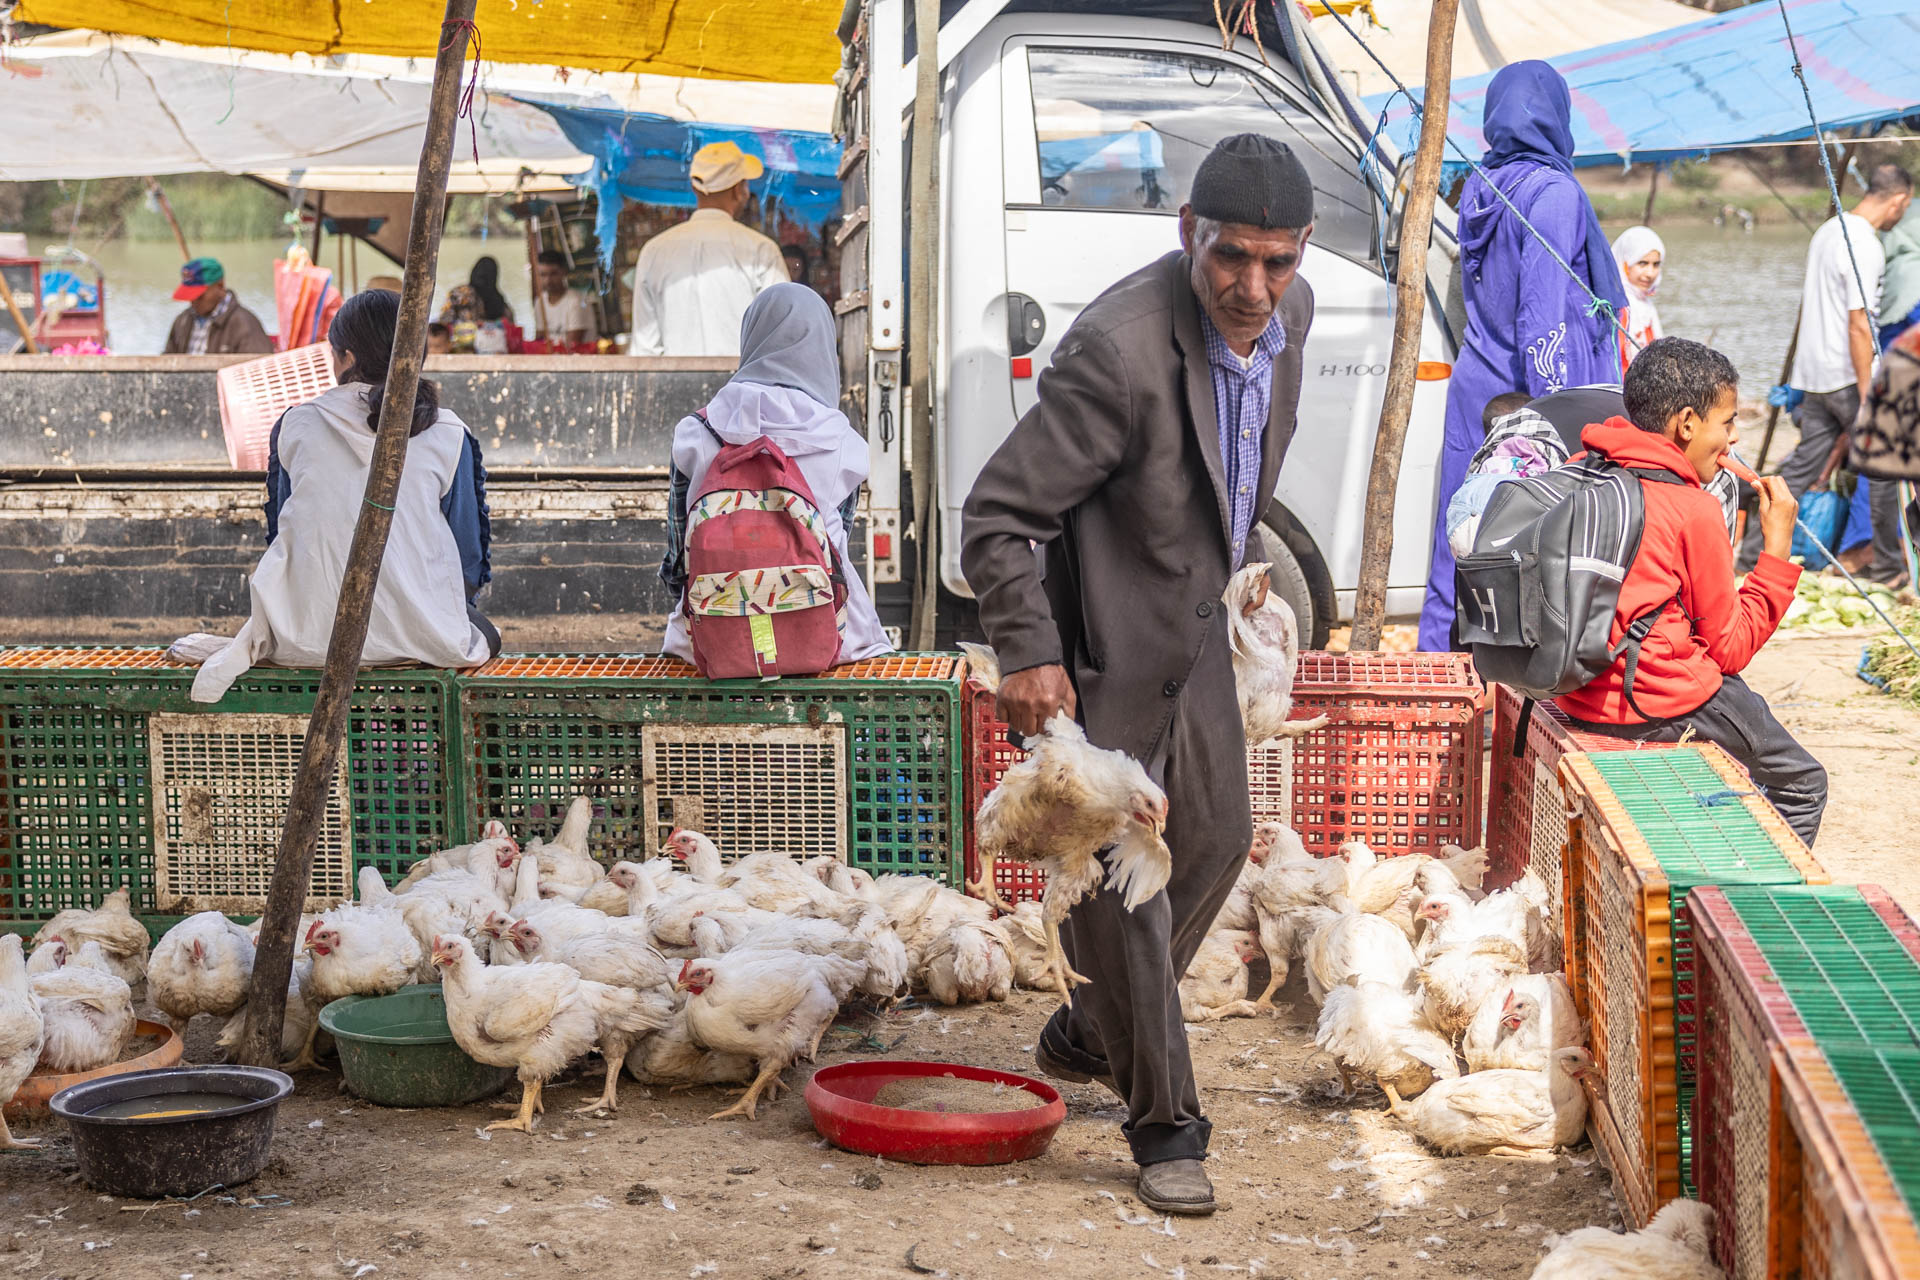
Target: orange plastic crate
{"x": 1854, "y": 1223}
{"x": 103, "y": 658}
{"x": 654, "y": 666}
{"x": 1630, "y": 958}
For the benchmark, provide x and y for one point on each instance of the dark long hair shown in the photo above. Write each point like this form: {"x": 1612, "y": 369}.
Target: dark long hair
{"x": 485, "y": 279}
{"x": 364, "y": 325}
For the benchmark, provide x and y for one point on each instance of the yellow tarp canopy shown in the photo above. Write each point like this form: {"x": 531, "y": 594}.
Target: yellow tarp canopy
{"x": 791, "y": 41}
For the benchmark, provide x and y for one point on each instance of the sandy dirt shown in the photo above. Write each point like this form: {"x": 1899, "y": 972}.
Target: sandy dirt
{"x": 1312, "y": 1185}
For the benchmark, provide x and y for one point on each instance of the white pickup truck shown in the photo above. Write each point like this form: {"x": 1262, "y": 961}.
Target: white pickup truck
{"x": 1068, "y": 140}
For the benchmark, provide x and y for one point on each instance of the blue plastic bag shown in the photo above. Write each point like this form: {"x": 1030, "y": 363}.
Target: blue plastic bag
{"x": 1824, "y": 512}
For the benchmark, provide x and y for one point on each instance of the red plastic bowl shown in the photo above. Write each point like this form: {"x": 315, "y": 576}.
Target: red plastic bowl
{"x": 841, "y": 1100}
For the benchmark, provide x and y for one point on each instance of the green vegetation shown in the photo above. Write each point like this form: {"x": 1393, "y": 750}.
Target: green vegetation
{"x": 1888, "y": 659}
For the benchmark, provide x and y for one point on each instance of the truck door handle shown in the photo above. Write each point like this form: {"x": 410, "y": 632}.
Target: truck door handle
{"x": 1026, "y": 324}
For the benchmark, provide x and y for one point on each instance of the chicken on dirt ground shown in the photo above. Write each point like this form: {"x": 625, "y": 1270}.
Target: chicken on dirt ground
{"x": 1215, "y": 985}
{"x": 1265, "y": 639}
{"x": 202, "y": 965}
{"x": 1676, "y": 1245}
{"x": 111, "y": 924}
{"x": 538, "y": 1018}
{"x": 85, "y": 1007}
{"x": 1522, "y": 1027}
{"x": 1063, "y": 808}
{"x": 1519, "y": 1114}
{"x": 1381, "y": 1031}
{"x": 357, "y": 951}
{"x": 770, "y": 1006}
{"x": 21, "y": 1032}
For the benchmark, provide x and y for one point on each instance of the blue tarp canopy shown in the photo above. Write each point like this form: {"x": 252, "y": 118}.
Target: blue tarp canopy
{"x": 1706, "y": 86}
{"x": 644, "y": 157}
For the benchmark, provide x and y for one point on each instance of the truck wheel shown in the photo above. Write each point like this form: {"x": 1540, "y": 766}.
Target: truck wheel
{"x": 1300, "y": 576}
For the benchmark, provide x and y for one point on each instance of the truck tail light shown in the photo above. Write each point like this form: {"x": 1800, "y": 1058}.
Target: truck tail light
{"x": 883, "y": 546}
{"x": 1023, "y": 366}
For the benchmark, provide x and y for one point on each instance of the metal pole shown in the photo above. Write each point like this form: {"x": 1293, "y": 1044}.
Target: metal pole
{"x": 266, "y": 1004}
{"x": 923, "y": 203}
{"x": 1416, "y": 228}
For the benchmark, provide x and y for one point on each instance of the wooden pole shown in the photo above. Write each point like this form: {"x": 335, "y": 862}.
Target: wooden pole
{"x": 19, "y": 320}
{"x": 1653, "y": 190}
{"x": 923, "y": 231}
{"x": 1416, "y": 230}
{"x": 273, "y": 960}
{"x": 319, "y": 216}
{"x": 166, "y": 207}
{"x": 1773, "y": 410}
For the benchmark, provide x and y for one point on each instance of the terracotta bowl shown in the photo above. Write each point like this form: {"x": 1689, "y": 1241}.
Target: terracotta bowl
{"x": 38, "y": 1089}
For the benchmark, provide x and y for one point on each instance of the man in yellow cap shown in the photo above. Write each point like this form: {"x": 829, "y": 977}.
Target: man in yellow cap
{"x": 694, "y": 281}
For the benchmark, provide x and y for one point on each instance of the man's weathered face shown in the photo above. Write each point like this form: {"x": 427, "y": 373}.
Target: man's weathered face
{"x": 207, "y": 301}
{"x": 1240, "y": 272}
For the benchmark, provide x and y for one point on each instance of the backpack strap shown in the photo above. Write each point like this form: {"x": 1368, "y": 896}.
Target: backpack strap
{"x": 1636, "y": 635}
{"x": 1520, "y": 727}
{"x": 701, "y": 413}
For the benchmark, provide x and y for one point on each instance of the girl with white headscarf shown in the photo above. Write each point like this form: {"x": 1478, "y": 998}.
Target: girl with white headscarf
{"x": 786, "y": 389}
{"x": 1642, "y": 256}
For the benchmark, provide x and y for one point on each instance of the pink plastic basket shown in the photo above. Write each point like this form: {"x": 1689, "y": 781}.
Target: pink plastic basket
{"x": 255, "y": 393}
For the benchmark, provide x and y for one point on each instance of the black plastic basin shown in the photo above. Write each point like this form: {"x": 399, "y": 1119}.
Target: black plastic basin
{"x": 175, "y": 1155}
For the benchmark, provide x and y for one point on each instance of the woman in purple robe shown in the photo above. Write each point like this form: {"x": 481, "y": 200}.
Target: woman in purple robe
{"x": 1530, "y": 326}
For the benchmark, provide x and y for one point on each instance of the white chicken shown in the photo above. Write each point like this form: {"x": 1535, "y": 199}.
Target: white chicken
{"x": 1521, "y": 1027}
{"x": 836, "y": 874}
{"x": 1381, "y": 1031}
{"x": 1458, "y": 978}
{"x": 21, "y": 1032}
{"x": 1237, "y": 911}
{"x": 202, "y": 965}
{"x": 1676, "y": 1245}
{"x": 85, "y": 1008}
{"x": 1290, "y": 902}
{"x": 620, "y": 955}
{"x": 872, "y": 942}
{"x": 1469, "y": 867}
{"x": 771, "y": 1006}
{"x": 505, "y": 851}
{"x": 626, "y": 891}
{"x": 300, "y": 1021}
{"x": 1519, "y": 1114}
{"x": 1215, "y": 985}
{"x": 669, "y": 1057}
{"x": 537, "y": 1018}
{"x": 970, "y": 962}
{"x": 357, "y": 951}
{"x": 701, "y": 855}
{"x": 1522, "y": 913}
{"x": 1355, "y": 945}
{"x": 1062, "y": 808}
{"x": 564, "y": 860}
{"x": 121, "y": 937}
{"x": 1265, "y": 639}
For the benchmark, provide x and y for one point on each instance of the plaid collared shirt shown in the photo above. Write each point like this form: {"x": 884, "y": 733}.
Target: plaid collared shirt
{"x": 1242, "y": 399}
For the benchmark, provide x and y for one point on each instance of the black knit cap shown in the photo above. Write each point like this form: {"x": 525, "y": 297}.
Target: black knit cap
{"x": 1255, "y": 180}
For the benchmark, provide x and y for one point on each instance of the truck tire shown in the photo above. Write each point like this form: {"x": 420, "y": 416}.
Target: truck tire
{"x": 1300, "y": 576}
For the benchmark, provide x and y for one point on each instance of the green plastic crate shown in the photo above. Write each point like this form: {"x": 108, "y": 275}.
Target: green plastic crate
{"x": 1703, "y": 824}
{"x": 864, "y": 763}
{"x": 77, "y": 795}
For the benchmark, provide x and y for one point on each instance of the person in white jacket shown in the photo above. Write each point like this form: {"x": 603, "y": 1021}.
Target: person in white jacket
{"x": 422, "y": 612}
{"x": 788, "y": 390}
{"x": 693, "y": 281}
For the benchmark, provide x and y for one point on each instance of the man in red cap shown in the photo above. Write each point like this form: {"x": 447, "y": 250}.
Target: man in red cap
{"x": 214, "y": 322}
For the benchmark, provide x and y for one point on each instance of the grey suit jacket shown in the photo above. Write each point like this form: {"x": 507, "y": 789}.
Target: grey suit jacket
{"x": 1118, "y": 472}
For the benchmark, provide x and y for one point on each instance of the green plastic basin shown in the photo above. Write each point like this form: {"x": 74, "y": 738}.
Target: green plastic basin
{"x": 398, "y": 1051}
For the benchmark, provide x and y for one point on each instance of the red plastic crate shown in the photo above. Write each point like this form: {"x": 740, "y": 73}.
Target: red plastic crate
{"x": 1526, "y": 809}
{"x": 1746, "y": 1161}
{"x": 1397, "y": 765}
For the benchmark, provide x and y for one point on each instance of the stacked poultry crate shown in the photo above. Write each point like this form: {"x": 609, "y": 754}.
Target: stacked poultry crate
{"x": 1646, "y": 828}
{"x": 1809, "y": 1099}
{"x": 110, "y": 774}
{"x": 1398, "y": 763}
{"x": 862, "y": 763}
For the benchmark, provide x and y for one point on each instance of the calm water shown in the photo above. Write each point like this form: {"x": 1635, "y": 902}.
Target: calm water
{"x": 1735, "y": 291}
{"x": 170, "y": 1105}
{"x": 141, "y": 275}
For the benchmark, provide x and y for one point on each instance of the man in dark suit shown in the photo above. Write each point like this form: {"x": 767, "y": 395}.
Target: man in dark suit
{"x": 1143, "y": 470}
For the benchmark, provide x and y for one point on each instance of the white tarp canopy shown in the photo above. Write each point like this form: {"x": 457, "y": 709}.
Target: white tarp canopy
{"x": 82, "y": 104}
{"x": 1489, "y": 35}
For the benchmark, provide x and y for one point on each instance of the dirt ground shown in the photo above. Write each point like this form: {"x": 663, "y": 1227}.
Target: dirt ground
{"x": 1312, "y": 1185}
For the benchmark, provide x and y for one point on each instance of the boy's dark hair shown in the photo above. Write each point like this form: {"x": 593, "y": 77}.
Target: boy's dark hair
{"x": 552, "y": 258}
{"x": 1673, "y": 374}
{"x": 1502, "y": 405}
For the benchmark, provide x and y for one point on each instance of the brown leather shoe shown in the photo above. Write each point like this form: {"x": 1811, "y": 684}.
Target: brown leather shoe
{"x": 1176, "y": 1186}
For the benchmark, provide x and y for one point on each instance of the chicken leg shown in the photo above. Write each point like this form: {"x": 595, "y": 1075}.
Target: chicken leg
{"x": 305, "y": 1059}
{"x": 529, "y": 1099}
{"x": 608, "y": 1099}
{"x": 10, "y": 1143}
{"x": 769, "y": 1076}
{"x": 1395, "y": 1103}
{"x": 1065, "y": 978}
{"x": 984, "y": 888}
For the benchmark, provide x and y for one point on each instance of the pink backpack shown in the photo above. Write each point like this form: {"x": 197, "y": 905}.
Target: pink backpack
{"x": 763, "y": 593}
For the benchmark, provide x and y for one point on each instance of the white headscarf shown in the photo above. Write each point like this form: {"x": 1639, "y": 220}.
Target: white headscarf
{"x": 788, "y": 384}
{"x": 1630, "y": 246}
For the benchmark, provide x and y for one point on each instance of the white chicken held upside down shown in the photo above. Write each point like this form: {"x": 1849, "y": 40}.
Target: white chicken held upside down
{"x": 1265, "y": 639}
{"x": 1064, "y": 807}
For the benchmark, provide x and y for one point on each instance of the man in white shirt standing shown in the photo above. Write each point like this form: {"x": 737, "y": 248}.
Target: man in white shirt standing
{"x": 694, "y": 281}
{"x": 1833, "y": 364}
{"x": 561, "y": 314}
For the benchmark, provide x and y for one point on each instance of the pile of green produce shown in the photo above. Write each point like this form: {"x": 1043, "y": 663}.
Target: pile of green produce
{"x": 1889, "y": 661}
{"x": 1821, "y": 602}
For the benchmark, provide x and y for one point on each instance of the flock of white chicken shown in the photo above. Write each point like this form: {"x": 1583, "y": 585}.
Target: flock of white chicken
{"x": 686, "y": 969}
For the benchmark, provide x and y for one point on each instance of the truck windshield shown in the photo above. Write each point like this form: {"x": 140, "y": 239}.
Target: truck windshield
{"x": 1125, "y": 129}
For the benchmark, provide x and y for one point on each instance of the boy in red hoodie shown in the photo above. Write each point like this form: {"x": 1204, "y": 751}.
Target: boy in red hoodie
{"x": 1681, "y": 397}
